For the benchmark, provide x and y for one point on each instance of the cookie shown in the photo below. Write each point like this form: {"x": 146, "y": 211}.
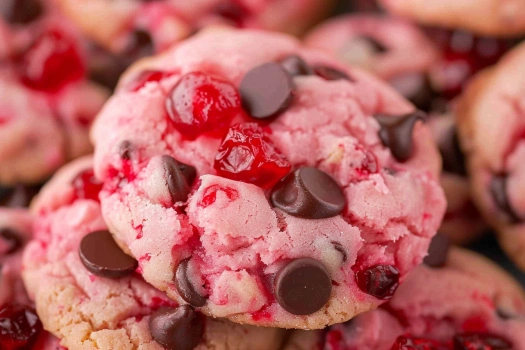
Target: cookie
{"x": 487, "y": 17}
{"x": 87, "y": 293}
{"x": 47, "y": 102}
{"x": 393, "y": 49}
{"x": 462, "y": 223}
{"x": 261, "y": 182}
{"x": 468, "y": 303}
{"x": 493, "y": 147}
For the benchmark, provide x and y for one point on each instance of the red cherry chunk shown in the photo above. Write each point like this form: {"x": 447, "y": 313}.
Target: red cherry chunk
{"x": 145, "y": 77}
{"x": 247, "y": 154}
{"x": 51, "y": 62}
{"x": 380, "y": 281}
{"x": 474, "y": 341}
{"x": 201, "y": 103}
{"x": 19, "y": 327}
{"x": 232, "y": 12}
{"x": 87, "y": 186}
{"x": 411, "y": 343}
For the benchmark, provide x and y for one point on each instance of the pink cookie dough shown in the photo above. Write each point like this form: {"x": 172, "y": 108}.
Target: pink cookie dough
{"x": 227, "y": 241}
{"x": 463, "y": 222}
{"x": 46, "y": 103}
{"x": 485, "y": 17}
{"x": 494, "y": 147}
{"x": 467, "y": 304}
{"x": 88, "y": 311}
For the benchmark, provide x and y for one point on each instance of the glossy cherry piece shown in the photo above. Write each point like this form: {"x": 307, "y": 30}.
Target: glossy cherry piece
{"x": 474, "y": 341}
{"x": 51, "y": 62}
{"x": 87, "y": 186}
{"x": 380, "y": 281}
{"x": 145, "y": 77}
{"x": 411, "y": 343}
{"x": 19, "y": 327}
{"x": 201, "y": 103}
{"x": 247, "y": 154}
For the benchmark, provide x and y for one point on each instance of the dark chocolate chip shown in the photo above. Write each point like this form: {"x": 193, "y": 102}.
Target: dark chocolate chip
{"x": 185, "y": 286}
{"x": 12, "y": 241}
{"x": 179, "y": 328}
{"x": 266, "y": 90}
{"x": 103, "y": 257}
{"x": 189, "y": 172}
{"x": 396, "y": 133}
{"x": 505, "y": 315}
{"x": 309, "y": 193}
{"x": 498, "y": 190}
{"x": 295, "y": 65}
{"x": 106, "y": 68}
{"x": 175, "y": 179}
{"x": 438, "y": 251}
{"x": 21, "y": 11}
{"x": 141, "y": 45}
{"x": 453, "y": 157}
{"x": 303, "y": 286}
{"x": 339, "y": 247}
{"x": 330, "y": 73}
{"x": 125, "y": 149}
{"x": 18, "y": 196}
{"x": 416, "y": 88}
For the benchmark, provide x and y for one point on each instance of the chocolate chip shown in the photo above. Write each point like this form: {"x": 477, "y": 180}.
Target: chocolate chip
{"x": 453, "y": 157}
{"x": 21, "y": 11}
{"x": 396, "y": 133}
{"x": 12, "y": 241}
{"x": 141, "y": 45}
{"x": 103, "y": 257}
{"x": 189, "y": 172}
{"x": 18, "y": 196}
{"x": 266, "y": 90}
{"x": 498, "y": 190}
{"x": 415, "y": 87}
{"x": 438, "y": 251}
{"x": 295, "y": 65}
{"x": 309, "y": 193}
{"x": 106, "y": 68}
{"x": 125, "y": 149}
{"x": 339, "y": 247}
{"x": 505, "y": 315}
{"x": 330, "y": 73}
{"x": 179, "y": 328}
{"x": 185, "y": 287}
{"x": 175, "y": 179}
{"x": 303, "y": 286}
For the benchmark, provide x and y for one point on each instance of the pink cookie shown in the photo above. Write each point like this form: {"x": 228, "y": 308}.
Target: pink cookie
{"x": 193, "y": 185}
{"x": 469, "y": 303}
{"x": 86, "y": 309}
{"x": 394, "y": 50}
{"x": 462, "y": 223}
{"x": 47, "y": 104}
{"x": 486, "y": 17}
{"x": 494, "y": 148}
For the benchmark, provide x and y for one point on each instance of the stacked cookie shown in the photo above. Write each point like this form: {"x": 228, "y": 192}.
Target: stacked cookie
{"x": 250, "y": 191}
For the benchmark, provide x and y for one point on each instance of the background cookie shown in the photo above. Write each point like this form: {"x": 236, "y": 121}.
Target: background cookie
{"x": 466, "y": 303}
{"x": 85, "y": 308}
{"x": 493, "y": 147}
{"x": 208, "y": 220}
{"x": 487, "y": 17}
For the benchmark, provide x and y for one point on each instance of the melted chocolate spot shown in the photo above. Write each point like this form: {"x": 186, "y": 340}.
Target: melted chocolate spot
{"x": 185, "y": 286}
{"x": 339, "y": 247}
{"x": 438, "y": 251}
{"x": 179, "y": 328}
{"x": 175, "y": 179}
{"x": 303, "y": 286}
{"x": 396, "y": 133}
{"x": 416, "y": 88}
{"x": 18, "y": 196}
{"x": 309, "y": 193}
{"x": 453, "y": 157}
{"x": 266, "y": 91}
{"x": 21, "y": 11}
{"x": 103, "y": 257}
{"x": 125, "y": 149}
{"x": 12, "y": 241}
{"x": 498, "y": 190}
{"x": 330, "y": 73}
{"x": 106, "y": 68}
{"x": 296, "y": 66}
{"x": 141, "y": 45}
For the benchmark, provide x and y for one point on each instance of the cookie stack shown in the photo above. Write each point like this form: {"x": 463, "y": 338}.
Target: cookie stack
{"x": 244, "y": 190}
